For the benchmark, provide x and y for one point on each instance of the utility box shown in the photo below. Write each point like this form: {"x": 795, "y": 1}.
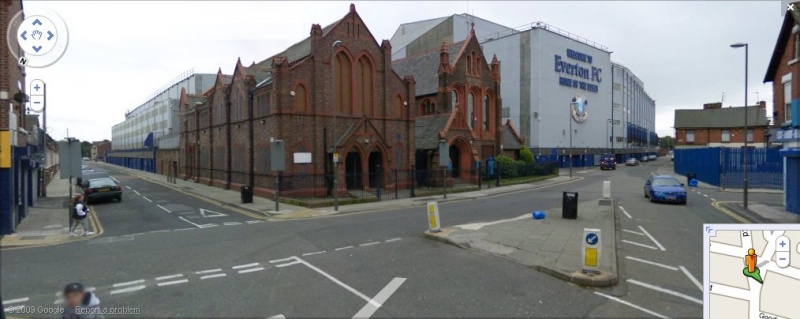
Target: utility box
{"x": 569, "y": 205}
{"x": 70, "y": 160}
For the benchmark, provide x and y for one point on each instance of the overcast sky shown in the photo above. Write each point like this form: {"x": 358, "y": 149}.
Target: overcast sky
{"x": 121, "y": 52}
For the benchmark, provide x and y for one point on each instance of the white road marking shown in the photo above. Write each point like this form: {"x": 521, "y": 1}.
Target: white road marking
{"x": 129, "y": 289}
{"x": 647, "y": 311}
{"x": 338, "y": 282}
{"x": 18, "y": 300}
{"x": 245, "y": 266}
{"x": 207, "y": 271}
{"x": 128, "y": 283}
{"x": 343, "y": 248}
{"x": 164, "y": 208}
{"x": 186, "y": 220}
{"x": 180, "y": 229}
{"x": 633, "y": 232}
{"x": 210, "y": 213}
{"x": 314, "y": 253}
{"x": 213, "y": 276}
{"x": 137, "y": 192}
{"x": 277, "y": 317}
{"x": 282, "y": 260}
{"x": 159, "y": 231}
{"x": 288, "y": 264}
{"x": 652, "y": 263}
{"x": 638, "y": 244}
{"x": 128, "y": 187}
{"x": 255, "y": 221}
{"x": 391, "y": 240}
{"x": 169, "y": 277}
{"x": 147, "y": 199}
{"x": 208, "y": 225}
{"x": 653, "y": 239}
{"x": 705, "y": 195}
{"x": 370, "y": 244}
{"x": 625, "y": 212}
{"x": 58, "y": 301}
{"x": 231, "y": 223}
{"x": 666, "y": 291}
{"x": 174, "y": 282}
{"x": 370, "y": 308}
{"x": 713, "y": 200}
{"x": 244, "y": 271}
{"x": 692, "y": 278}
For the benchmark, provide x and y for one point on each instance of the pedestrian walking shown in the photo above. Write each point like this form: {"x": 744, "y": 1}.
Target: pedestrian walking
{"x": 79, "y": 303}
{"x": 80, "y": 212}
{"x": 72, "y": 203}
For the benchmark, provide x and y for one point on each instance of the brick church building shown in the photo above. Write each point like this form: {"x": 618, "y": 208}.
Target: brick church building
{"x": 333, "y": 92}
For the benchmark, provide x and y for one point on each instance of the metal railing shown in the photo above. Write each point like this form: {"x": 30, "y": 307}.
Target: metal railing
{"x": 545, "y": 26}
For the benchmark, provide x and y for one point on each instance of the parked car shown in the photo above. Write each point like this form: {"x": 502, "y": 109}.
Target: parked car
{"x": 607, "y": 161}
{"x": 102, "y": 188}
{"x": 652, "y": 157}
{"x": 85, "y": 169}
{"x": 87, "y": 176}
{"x": 665, "y": 188}
{"x": 631, "y": 162}
{"x": 643, "y": 158}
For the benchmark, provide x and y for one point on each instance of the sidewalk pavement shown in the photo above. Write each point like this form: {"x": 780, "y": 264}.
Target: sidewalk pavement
{"x": 47, "y": 222}
{"x": 266, "y": 208}
{"x": 765, "y": 213}
{"x": 551, "y": 245}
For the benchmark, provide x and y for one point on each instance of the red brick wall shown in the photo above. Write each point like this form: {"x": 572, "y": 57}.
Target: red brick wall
{"x": 777, "y": 86}
{"x": 10, "y": 73}
{"x": 706, "y": 136}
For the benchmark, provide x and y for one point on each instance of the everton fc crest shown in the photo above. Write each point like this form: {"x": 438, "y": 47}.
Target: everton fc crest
{"x": 578, "y": 109}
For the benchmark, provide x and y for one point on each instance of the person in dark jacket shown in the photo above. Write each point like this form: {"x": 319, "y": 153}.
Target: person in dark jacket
{"x": 79, "y": 303}
{"x": 80, "y": 212}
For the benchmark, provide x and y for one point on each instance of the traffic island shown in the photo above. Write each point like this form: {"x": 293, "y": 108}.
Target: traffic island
{"x": 552, "y": 245}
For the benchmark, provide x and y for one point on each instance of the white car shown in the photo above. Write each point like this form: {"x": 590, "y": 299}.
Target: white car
{"x": 671, "y": 156}
{"x": 652, "y": 157}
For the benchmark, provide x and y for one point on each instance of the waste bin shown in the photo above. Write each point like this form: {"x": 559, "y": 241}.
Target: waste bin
{"x": 569, "y": 205}
{"x": 690, "y": 176}
{"x": 247, "y": 194}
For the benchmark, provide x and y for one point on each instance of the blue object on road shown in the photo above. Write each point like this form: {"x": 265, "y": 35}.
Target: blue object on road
{"x": 693, "y": 182}
{"x": 539, "y": 215}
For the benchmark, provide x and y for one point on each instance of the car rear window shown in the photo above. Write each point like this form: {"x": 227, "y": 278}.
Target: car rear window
{"x": 102, "y": 182}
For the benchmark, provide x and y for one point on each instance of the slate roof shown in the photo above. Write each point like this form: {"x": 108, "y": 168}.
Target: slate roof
{"x": 780, "y": 46}
{"x": 510, "y": 138}
{"x": 296, "y": 52}
{"x": 424, "y": 67}
{"x": 720, "y": 118}
{"x": 427, "y": 129}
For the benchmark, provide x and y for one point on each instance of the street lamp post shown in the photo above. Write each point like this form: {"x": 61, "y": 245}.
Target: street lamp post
{"x": 744, "y": 156}
{"x": 333, "y": 134}
{"x": 570, "y": 142}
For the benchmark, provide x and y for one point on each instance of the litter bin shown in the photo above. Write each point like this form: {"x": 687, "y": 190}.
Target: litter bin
{"x": 247, "y": 194}
{"x": 569, "y": 205}
{"x": 690, "y": 176}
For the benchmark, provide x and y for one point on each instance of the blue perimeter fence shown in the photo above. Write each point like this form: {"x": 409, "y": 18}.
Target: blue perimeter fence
{"x": 724, "y": 166}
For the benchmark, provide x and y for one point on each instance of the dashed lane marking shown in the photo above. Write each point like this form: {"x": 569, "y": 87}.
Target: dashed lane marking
{"x": 169, "y": 277}
{"x": 638, "y": 244}
{"x": 147, "y": 199}
{"x": 370, "y": 244}
{"x": 128, "y": 283}
{"x": 164, "y": 208}
{"x": 137, "y": 192}
{"x": 18, "y": 300}
{"x": 642, "y": 309}
{"x": 391, "y": 240}
{"x": 664, "y": 290}
{"x": 314, "y": 253}
{"x": 128, "y": 187}
{"x": 692, "y": 278}
{"x": 653, "y": 239}
{"x": 713, "y": 200}
{"x": 182, "y": 229}
{"x": 652, "y": 263}
{"x": 288, "y": 264}
{"x": 208, "y": 271}
{"x": 255, "y": 221}
{"x": 231, "y": 223}
{"x": 129, "y": 289}
{"x": 244, "y": 271}
{"x": 174, "y": 282}
{"x": 281, "y": 260}
{"x": 343, "y": 248}
{"x": 245, "y": 266}
{"x": 213, "y": 276}
{"x": 705, "y": 195}
{"x": 633, "y": 232}
{"x": 625, "y": 212}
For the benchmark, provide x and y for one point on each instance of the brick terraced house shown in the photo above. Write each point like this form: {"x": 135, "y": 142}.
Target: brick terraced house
{"x": 333, "y": 92}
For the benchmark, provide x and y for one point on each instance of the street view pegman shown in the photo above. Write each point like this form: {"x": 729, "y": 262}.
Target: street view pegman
{"x": 453, "y": 159}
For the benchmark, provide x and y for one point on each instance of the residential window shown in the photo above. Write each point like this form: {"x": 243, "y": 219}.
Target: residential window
{"x": 427, "y": 108}
{"x": 344, "y": 73}
{"x": 300, "y": 98}
{"x": 749, "y": 135}
{"x": 470, "y": 109}
{"x": 486, "y": 113}
{"x": 454, "y": 99}
{"x": 690, "y": 136}
{"x": 262, "y": 104}
{"x": 726, "y": 136}
{"x": 787, "y": 101}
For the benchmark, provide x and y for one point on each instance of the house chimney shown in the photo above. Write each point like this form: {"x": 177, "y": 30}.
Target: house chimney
{"x": 762, "y": 104}
{"x": 716, "y": 105}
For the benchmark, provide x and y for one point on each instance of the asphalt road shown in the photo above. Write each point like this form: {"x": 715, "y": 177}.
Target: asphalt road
{"x": 160, "y": 255}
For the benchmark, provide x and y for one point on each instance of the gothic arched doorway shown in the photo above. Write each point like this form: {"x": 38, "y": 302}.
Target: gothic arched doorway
{"x": 374, "y": 165}
{"x": 455, "y": 161}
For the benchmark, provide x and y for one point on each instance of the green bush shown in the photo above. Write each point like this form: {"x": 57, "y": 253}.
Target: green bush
{"x": 524, "y": 169}
{"x": 525, "y": 155}
{"x": 506, "y": 166}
